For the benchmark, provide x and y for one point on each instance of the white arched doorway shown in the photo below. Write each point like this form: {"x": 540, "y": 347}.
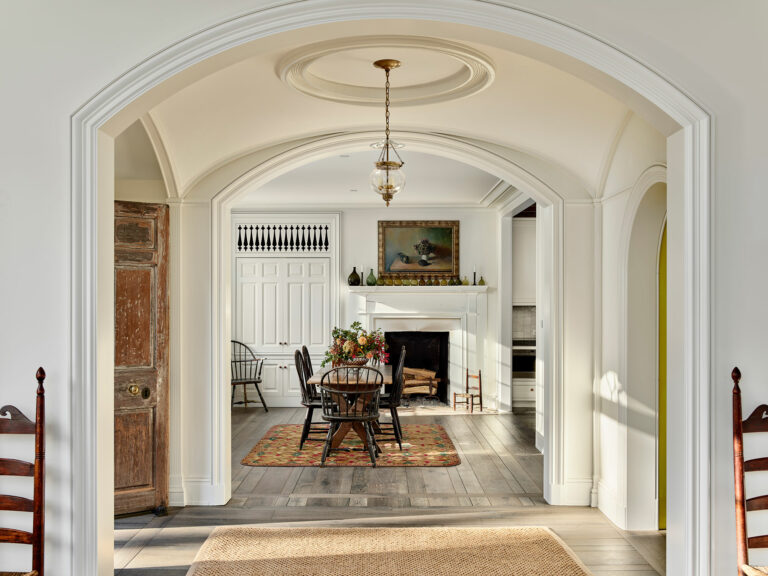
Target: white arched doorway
{"x": 91, "y": 218}
{"x": 639, "y": 411}
{"x": 472, "y": 153}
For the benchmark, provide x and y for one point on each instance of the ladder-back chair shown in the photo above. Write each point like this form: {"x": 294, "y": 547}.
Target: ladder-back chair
{"x": 757, "y": 422}
{"x": 246, "y": 369}
{"x": 12, "y": 421}
{"x": 473, "y": 394}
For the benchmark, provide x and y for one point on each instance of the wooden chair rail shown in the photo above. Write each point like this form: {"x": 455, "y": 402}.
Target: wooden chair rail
{"x": 17, "y": 423}
{"x": 758, "y": 541}
{"x": 756, "y": 465}
{"x": 13, "y": 536}
{"x": 16, "y": 503}
{"x": 757, "y": 503}
{"x": 757, "y": 421}
{"x": 11, "y": 467}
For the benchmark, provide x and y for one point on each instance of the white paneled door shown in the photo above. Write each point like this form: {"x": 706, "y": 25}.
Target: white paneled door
{"x": 281, "y": 305}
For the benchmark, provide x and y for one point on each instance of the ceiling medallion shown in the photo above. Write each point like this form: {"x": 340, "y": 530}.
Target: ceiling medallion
{"x": 321, "y": 70}
{"x": 387, "y": 178}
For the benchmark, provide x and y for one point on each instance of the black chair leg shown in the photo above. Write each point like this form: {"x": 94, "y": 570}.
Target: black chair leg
{"x": 261, "y": 397}
{"x": 372, "y": 446}
{"x": 307, "y": 425}
{"x": 327, "y": 446}
{"x": 399, "y": 426}
{"x": 396, "y": 427}
{"x": 232, "y": 402}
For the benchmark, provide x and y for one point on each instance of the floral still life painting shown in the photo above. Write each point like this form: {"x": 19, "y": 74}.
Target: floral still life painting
{"x": 412, "y": 248}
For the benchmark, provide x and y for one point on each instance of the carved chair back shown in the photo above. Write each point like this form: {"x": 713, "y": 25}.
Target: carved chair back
{"x": 12, "y": 421}
{"x": 756, "y": 422}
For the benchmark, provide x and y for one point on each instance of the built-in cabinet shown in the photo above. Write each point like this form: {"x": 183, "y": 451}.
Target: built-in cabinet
{"x": 285, "y": 296}
{"x": 524, "y": 261}
{"x": 524, "y": 388}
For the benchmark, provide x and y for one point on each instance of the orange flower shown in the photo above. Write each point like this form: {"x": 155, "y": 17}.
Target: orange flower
{"x": 362, "y": 341}
{"x": 369, "y": 355}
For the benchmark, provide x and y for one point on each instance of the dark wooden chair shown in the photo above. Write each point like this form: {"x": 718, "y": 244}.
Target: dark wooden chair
{"x": 472, "y": 394}
{"x": 310, "y": 402}
{"x": 246, "y": 369}
{"x": 350, "y": 398}
{"x": 14, "y": 422}
{"x": 391, "y": 401}
{"x": 757, "y": 422}
{"x": 307, "y": 362}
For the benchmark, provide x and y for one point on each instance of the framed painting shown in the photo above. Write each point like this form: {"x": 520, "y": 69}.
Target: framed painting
{"x": 412, "y": 248}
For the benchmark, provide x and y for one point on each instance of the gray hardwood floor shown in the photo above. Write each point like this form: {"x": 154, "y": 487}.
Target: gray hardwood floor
{"x": 498, "y": 483}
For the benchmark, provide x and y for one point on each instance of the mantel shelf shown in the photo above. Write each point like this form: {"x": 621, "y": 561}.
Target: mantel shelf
{"x": 417, "y": 289}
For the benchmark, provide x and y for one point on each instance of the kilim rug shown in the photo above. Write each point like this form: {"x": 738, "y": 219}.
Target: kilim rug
{"x": 423, "y": 445}
{"x": 251, "y": 551}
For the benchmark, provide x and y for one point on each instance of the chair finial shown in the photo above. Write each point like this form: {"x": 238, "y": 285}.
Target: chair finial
{"x": 40, "y": 379}
{"x": 736, "y": 377}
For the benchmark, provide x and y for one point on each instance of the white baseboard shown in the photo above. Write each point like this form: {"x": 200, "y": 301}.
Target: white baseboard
{"x": 176, "y": 491}
{"x": 608, "y": 503}
{"x": 201, "y": 492}
{"x": 576, "y": 492}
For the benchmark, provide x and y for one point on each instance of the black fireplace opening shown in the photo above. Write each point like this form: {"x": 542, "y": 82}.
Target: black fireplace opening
{"x": 425, "y": 350}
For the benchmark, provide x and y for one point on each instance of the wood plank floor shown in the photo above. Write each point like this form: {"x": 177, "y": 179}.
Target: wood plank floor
{"x": 498, "y": 483}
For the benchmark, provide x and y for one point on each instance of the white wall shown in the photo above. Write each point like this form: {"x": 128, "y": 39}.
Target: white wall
{"x": 639, "y": 149}
{"x": 81, "y": 46}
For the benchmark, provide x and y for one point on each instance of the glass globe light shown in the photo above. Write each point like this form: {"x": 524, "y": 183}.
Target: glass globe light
{"x": 387, "y": 179}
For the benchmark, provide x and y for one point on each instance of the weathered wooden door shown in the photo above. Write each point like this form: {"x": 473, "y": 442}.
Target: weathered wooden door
{"x": 141, "y": 357}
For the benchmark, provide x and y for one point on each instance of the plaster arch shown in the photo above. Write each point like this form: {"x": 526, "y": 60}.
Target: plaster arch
{"x": 638, "y": 411}
{"x": 91, "y": 227}
{"x": 233, "y": 179}
{"x": 283, "y": 160}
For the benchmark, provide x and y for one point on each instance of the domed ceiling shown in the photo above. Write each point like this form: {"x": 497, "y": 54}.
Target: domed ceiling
{"x": 454, "y": 80}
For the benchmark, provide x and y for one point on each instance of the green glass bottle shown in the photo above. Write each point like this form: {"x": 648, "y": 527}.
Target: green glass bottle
{"x": 371, "y": 280}
{"x": 354, "y": 278}
{"x": 481, "y": 282}
{"x": 380, "y": 281}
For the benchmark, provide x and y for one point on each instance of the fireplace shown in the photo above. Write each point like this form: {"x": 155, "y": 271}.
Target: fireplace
{"x": 426, "y": 350}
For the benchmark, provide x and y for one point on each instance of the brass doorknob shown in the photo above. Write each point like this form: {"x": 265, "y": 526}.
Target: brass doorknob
{"x": 133, "y": 390}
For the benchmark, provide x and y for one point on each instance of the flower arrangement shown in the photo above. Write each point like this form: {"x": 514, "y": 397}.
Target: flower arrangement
{"x": 351, "y": 345}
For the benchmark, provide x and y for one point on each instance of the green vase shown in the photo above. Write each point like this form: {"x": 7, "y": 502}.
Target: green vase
{"x": 465, "y": 281}
{"x": 371, "y": 280}
{"x": 380, "y": 281}
{"x": 354, "y": 278}
{"x": 481, "y": 282}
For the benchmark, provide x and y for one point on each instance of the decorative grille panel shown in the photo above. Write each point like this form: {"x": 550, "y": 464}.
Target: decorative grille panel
{"x": 282, "y": 238}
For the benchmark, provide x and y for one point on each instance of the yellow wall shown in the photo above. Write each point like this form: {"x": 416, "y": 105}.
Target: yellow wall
{"x": 663, "y": 381}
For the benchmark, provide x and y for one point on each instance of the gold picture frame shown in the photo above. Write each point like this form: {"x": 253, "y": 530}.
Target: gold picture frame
{"x": 412, "y": 248}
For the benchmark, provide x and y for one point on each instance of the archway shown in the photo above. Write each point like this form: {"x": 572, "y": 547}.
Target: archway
{"x": 91, "y": 335}
{"x": 640, "y": 409}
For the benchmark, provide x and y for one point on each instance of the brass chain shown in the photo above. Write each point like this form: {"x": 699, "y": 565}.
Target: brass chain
{"x": 386, "y": 108}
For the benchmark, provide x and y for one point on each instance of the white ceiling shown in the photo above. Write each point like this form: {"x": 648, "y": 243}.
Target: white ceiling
{"x": 232, "y": 105}
{"x": 343, "y": 180}
{"x": 134, "y": 156}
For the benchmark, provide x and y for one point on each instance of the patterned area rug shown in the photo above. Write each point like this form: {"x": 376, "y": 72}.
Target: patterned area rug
{"x": 234, "y": 551}
{"x": 423, "y": 445}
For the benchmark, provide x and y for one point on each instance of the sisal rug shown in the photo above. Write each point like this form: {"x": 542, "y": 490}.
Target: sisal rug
{"x": 251, "y": 551}
{"x": 423, "y": 445}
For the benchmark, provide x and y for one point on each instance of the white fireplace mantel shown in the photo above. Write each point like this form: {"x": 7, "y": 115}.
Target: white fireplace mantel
{"x": 460, "y": 310}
